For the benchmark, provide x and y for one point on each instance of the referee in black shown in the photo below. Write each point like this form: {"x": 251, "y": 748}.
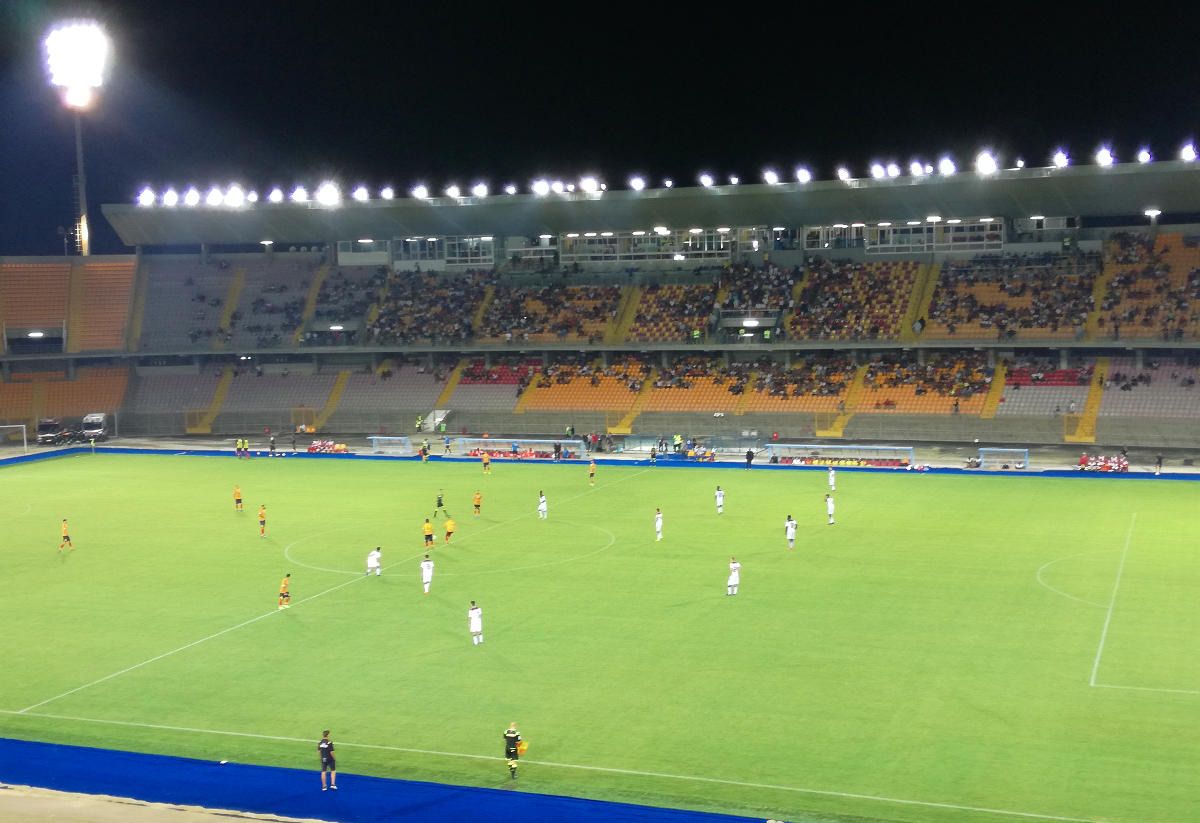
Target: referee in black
{"x": 328, "y": 761}
{"x": 440, "y": 507}
{"x": 511, "y": 738}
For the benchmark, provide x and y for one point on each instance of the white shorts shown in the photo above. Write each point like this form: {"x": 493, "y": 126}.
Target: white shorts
{"x": 476, "y": 626}
{"x": 427, "y": 578}
{"x": 542, "y": 509}
{"x": 733, "y": 580}
{"x": 372, "y": 565}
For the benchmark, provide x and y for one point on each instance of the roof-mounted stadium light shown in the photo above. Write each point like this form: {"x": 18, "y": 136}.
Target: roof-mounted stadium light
{"x": 235, "y": 197}
{"x": 420, "y": 192}
{"x": 878, "y": 171}
{"x": 1020, "y": 163}
{"x": 668, "y": 183}
{"x": 841, "y": 225}
{"x": 929, "y": 168}
{"x": 843, "y": 174}
{"x": 913, "y": 223}
{"x": 479, "y": 190}
{"x": 946, "y": 167}
{"x": 695, "y": 231}
{"x": 170, "y": 198}
{"x": 1152, "y": 213}
{"x": 276, "y": 195}
{"x": 803, "y": 175}
{"x": 366, "y": 241}
{"x": 893, "y": 170}
{"x": 734, "y": 179}
{"x": 214, "y": 197}
{"x": 1144, "y": 156}
{"x": 146, "y": 197}
{"x": 545, "y": 236}
{"x": 662, "y": 231}
{"x": 637, "y": 183}
{"x": 590, "y": 185}
{"x": 1037, "y": 217}
{"x": 36, "y": 334}
{"x": 724, "y": 230}
{"x": 1104, "y": 157}
{"x": 252, "y": 197}
{"x": 191, "y": 197}
{"x": 953, "y": 221}
{"x": 678, "y": 258}
{"x": 884, "y": 224}
{"x": 453, "y": 191}
{"x": 570, "y": 187}
{"x": 985, "y": 163}
{"x": 574, "y": 234}
{"x": 986, "y": 219}
{"x": 933, "y": 218}
{"x": 1188, "y": 153}
{"x": 557, "y": 186}
{"x": 387, "y": 193}
{"x": 336, "y": 327}
{"x": 606, "y": 234}
{"x": 1060, "y": 159}
{"x": 858, "y": 225}
{"x": 328, "y": 194}
{"x": 267, "y": 243}
{"x": 361, "y": 194}
{"x": 771, "y": 177}
{"x": 589, "y": 234}
{"x": 299, "y": 195}
{"x": 916, "y": 169}
{"x": 541, "y": 188}
{"x": 510, "y": 189}
{"x": 706, "y": 180}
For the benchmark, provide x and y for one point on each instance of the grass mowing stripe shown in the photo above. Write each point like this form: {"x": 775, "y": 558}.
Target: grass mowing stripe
{"x": 1112, "y": 600}
{"x": 609, "y": 770}
{"x": 305, "y": 600}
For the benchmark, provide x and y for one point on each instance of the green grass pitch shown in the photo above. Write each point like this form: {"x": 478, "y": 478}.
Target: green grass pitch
{"x": 953, "y": 649}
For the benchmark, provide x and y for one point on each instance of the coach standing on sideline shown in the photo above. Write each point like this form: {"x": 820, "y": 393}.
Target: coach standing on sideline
{"x": 749, "y": 458}
{"x": 328, "y": 761}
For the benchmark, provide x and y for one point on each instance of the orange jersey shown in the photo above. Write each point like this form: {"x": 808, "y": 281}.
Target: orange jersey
{"x": 478, "y": 499}
{"x": 283, "y": 586}
{"x": 427, "y": 528}
{"x": 450, "y": 525}
{"x": 262, "y": 513}
{"x": 237, "y": 492}
{"x": 65, "y": 531}
{"x": 487, "y": 458}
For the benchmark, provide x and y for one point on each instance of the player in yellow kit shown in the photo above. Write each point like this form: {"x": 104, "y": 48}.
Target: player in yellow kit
{"x": 237, "y": 499}
{"x": 428, "y": 529}
{"x": 487, "y": 463}
{"x": 592, "y": 473}
{"x": 262, "y": 520}
{"x": 284, "y": 595}
{"x": 450, "y": 527}
{"x": 478, "y": 502}
{"x": 66, "y": 537}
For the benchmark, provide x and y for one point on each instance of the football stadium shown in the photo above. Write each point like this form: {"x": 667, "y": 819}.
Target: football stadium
{"x": 942, "y": 419}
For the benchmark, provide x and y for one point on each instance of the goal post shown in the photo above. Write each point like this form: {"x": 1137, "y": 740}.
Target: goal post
{"x": 525, "y": 449}
{"x": 10, "y": 433}
{"x": 807, "y": 454}
{"x": 401, "y": 446}
{"x": 1004, "y": 458}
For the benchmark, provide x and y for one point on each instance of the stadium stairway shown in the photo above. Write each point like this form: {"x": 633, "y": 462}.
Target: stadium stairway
{"x": 744, "y": 397}
{"x": 853, "y": 395}
{"x": 310, "y": 303}
{"x": 626, "y": 314}
{"x": 443, "y": 401}
{"x": 991, "y": 403}
{"x": 75, "y": 301}
{"x": 231, "y": 304}
{"x": 383, "y": 366}
{"x": 137, "y": 311}
{"x": 625, "y": 425}
{"x": 203, "y": 424}
{"x": 527, "y": 395}
{"x": 477, "y": 320}
{"x": 335, "y": 397}
{"x": 1085, "y": 432}
{"x": 918, "y": 307}
{"x": 1091, "y": 326}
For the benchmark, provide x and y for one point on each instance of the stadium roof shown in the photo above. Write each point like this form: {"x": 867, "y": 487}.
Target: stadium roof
{"x": 1083, "y": 191}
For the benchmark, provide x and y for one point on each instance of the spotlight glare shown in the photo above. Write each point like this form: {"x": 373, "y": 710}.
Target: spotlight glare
{"x": 420, "y": 192}
{"x": 361, "y": 194}
{"x": 668, "y": 183}
{"x": 214, "y": 197}
{"x": 843, "y": 174}
{"x": 893, "y": 170}
{"x": 252, "y": 197}
{"x": 328, "y": 194}
{"x": 946, "y": 167}
{"x": 916, "y": 169}
{"x": 589, "y": 185}
{"x": 146, "y": 197}
{"x": 770, "y": 177}
{"x": 387, "y": 193}
{"x": 1104, "y": 157}
{"x": 985, "y": 163}
{"x": 1060, "y": 159}
{"x": 1144, "y": 156}
{"x": 1020, "y": 163}
{"x": 235, "y": 197}
{"x": 299, "y": 195}
{"x": 878, "y": 171}
{"x": 541, "y": 188}
{"x": 1152, "y": 213}
{"x": 170, "y": 197}
{"x": 453, "y": 191}
{"x": 803, "y": 175}
{"x": 479, "y": 190}
{"x": 706, "y": 180}
{"x": 510, "y": 189}
{"x": 1188, "y": 153}
{"x": 637, "y": 183}
{"x": 77, "y": 56}
{"x": 276, "y": 195}
{"x": 557, "y": 187}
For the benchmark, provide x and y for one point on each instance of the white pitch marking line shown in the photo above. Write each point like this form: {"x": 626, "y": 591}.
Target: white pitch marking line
{"x": 299, "y": 602}
{"x": 1112, "y": 600}
{"x": 1050, "y": 563}
{"x": 1146, "y": 689}
{"x": 797, "y": 789}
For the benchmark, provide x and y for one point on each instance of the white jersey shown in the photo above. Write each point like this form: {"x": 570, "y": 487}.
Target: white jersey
{"x": 735, "y": 571}
{"x": 542, "y": 503}
{"x": 373, "y": 559}
{"x": 789, "y": 528}
{"x": 475, "y": 619}
{"x": 426, "y": 571}
{"x": 829, "y": 506}
{"x": 831, "y": 478}
{"x": 658, "y": 521}
{"x": 720, "y": 495}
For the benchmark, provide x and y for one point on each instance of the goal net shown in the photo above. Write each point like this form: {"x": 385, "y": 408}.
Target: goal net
{"x": 391, "y": 445}
{"x": 802, "y": 454}
{"x": 13, "y": 432}
{"x": 1004, "y": 458}
{"x": 524, "y": 449}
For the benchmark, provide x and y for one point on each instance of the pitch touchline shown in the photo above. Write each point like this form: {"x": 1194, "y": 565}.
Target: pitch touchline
{"x": 717, "y": 780}
{"x": 1112, "y": 600}
{"x": 268, "y": 614}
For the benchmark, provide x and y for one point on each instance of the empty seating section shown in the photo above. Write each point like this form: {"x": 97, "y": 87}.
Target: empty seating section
{"x": 93, "y": 389}
{"x": 551, "y": 313}
{"x": 184, "y": 302}
{"x": 583, "y": 386}
{"x": 16, "y": 403}
{"x": 106, "y": 292}
{"x": 35, "y": 294}
{"x": 948, "y": 383}
{"x": 1034, "y": 388}
{"x": 1013, "y": 296}
{"x": 421, "y": 308}
{"x": 698, "y": 384}
{"x": 1152, "y": 290}
{"x": 404, "y": 387}
{"x": 671, "y": 313}
{"x": 343, "y": 299}
{"x": 1163, "y": 387}
{"x": 853, "y": 301}
{"x": 172, "y": 392}
{"x": 273, "y": 391}
{"x": 815, "y": 384}
{"x": 481, "y": 397}
{"x": 271, "y": 302}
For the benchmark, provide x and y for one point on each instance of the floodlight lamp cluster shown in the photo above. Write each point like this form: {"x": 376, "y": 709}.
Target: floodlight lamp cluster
{"x": 77, "y": 57}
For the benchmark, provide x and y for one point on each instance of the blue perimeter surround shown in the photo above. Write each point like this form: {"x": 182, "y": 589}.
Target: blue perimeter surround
{"x": 669, "y": 461}
{"x": 296, "y": 793}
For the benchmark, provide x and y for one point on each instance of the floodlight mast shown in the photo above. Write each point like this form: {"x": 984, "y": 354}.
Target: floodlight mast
{"x": 77, "y": 55}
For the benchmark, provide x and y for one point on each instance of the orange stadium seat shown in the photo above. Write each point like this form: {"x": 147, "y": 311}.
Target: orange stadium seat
{"x": 107, "y": 288}
{"x": 35, "y": 294}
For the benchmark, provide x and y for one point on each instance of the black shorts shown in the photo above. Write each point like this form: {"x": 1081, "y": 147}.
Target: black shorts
{"x": 328, "y": 764}
{"x": 285, "y": 595}
{"x": 476, "y": 507}
{"x": 429, "y": 538}
{"x": 66, "y": 538}
{"x": 237, "y": 501}
{"x": 511, "y": 754}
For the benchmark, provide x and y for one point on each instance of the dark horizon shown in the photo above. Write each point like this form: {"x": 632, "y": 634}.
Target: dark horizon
{"x": 276, "y": 94}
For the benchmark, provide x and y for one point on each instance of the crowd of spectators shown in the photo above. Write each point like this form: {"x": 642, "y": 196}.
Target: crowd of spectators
{"x": 1131, "y": 247}
{"x": 949, "y": 374}
{"x": 1060, "y": 288}
{"x": 761, "y": 287}
{"x": 683, "y": 372}
{"x": 682, "y": 308}
{"x": 1146, "y": 300}
{"x": 840, "y": 299}
{"x": 564, "y": 311}
{"x": 815, "y": 376}
{"x": 566, "y": 368}
{"x": 348, "y": 298}
{"x": 419, "y": 307}
{"x": 1128, "y": 382}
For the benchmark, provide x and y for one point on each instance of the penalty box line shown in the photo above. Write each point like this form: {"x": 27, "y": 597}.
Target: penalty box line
{"x": 265, "y": 615}
{"x": 605, "y": 769}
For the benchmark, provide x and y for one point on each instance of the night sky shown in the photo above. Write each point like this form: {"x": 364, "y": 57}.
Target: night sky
{"x": 279, "y": 93}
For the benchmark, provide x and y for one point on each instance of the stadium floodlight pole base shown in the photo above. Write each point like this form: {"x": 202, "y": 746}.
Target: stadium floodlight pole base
{"x": 1004, "y": 459}
{"x": 24, "y": 437}
{"x": 526, "y": 449}
{"x": 823, "y": 454}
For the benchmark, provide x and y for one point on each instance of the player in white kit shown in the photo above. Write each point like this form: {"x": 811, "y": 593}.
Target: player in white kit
{"x": 426, "y": 573}
{"x": 373, "y": 561}
{"x": 735, "y": 572}
{"x": 542, "y": 511}
{"x": 658, "y": 524}
{"x": 832, "y": 474}
{"x": 720, "y": 496}
{"x": 789, "y": 530}
{"x": 829, "y": 508}
{"x": 475, "y": 623}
